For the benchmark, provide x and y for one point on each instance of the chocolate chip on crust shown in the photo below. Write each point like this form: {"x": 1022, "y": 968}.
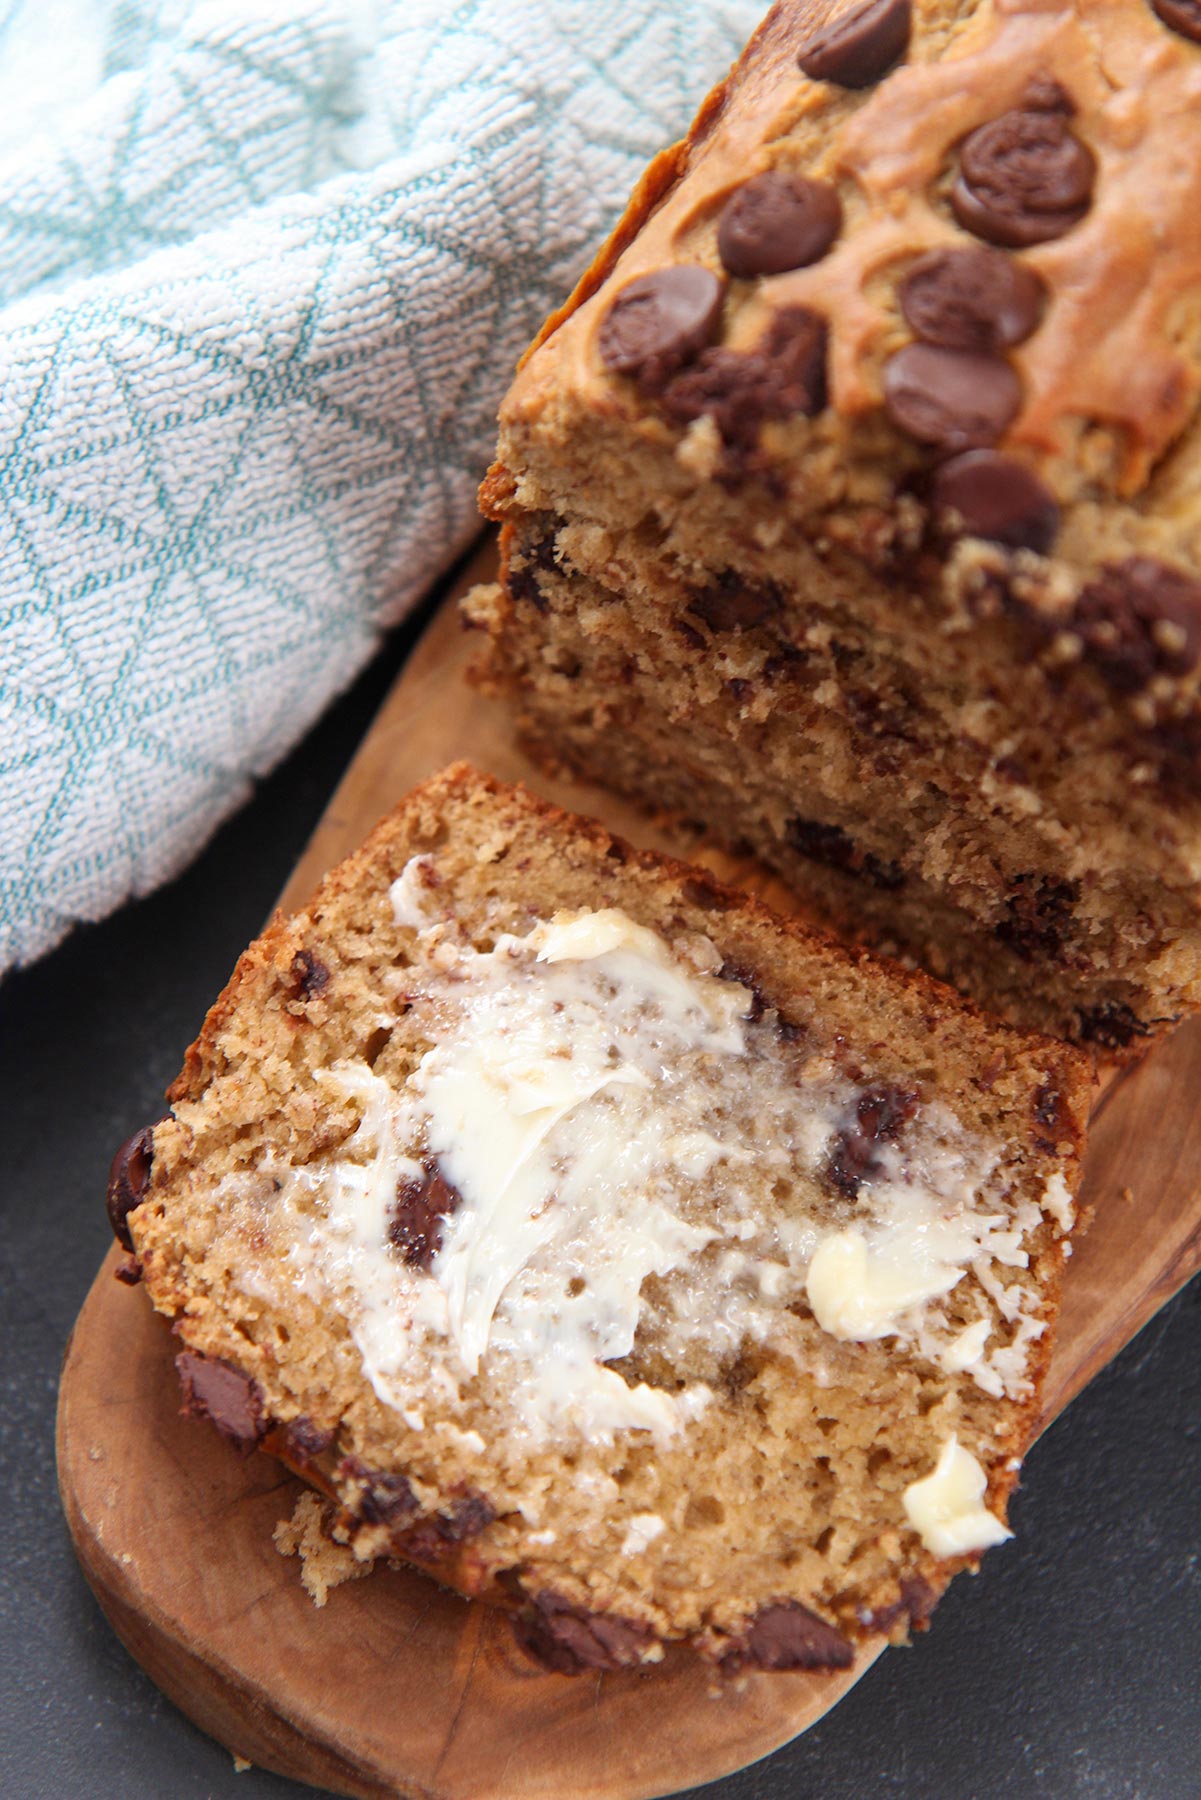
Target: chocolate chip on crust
{"x": 956, "y": 399}
{"x": 224, "y": 1395}
{"x": 128, "y": 1179}
{"x": 860, "y": 46}
{"x": 971, "y": 298}
{"x": 422, "y": 1207}
{"x": 1024, "y": 178}
{"x": 783, "y": 376}
{"x": 1183, "y": 16}
{"x": 659, "y": 321}
{"x": 787, "y": 1635}
{"x": 986, "y": 495}
{"x": 570, "y": 1639}
{"x": 775, "y": 222}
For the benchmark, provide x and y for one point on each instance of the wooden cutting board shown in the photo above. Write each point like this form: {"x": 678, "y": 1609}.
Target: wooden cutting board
{"x": 397, "y": 1687}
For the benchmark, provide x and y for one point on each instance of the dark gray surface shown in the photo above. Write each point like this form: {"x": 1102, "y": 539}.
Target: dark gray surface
{"x": 1070, "y": 1667}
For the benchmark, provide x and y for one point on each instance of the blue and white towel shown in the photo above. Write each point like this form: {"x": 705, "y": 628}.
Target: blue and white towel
{"x": 265, "y": 269}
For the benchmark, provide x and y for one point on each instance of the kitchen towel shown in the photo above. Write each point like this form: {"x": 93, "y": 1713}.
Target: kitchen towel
{"x": 265, "y": 270}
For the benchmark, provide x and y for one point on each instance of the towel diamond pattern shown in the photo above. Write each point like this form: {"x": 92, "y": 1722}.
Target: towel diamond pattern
{"x": 262, "y": 286}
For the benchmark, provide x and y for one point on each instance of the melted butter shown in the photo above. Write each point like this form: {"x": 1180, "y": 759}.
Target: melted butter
{"x": 946, "y": 1508}
{"x": 596, "y": 1096}
{"x": 915, "y": 1243}
{"x": 1057, "y": 1202}
{"x": 861, "y": 1293}
{"x": 966, "y": 1347}
{"x": 547, "y": 1116}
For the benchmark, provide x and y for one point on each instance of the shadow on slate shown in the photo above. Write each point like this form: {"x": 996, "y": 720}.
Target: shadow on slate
{"x": 1070, "y": 1667}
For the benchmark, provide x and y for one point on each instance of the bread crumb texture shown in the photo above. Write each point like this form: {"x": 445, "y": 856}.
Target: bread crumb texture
{"x": 609, "y": 1247}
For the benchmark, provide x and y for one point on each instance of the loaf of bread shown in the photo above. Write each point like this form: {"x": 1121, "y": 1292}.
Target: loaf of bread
{"x": 852, "y": 505}
{"x": 611, "y": 1248}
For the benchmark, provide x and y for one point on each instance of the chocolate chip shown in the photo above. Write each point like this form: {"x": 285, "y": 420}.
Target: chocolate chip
{"x": 787, "y": 1635}
{"x": 688, "y": 634}
{"x": 433, "y": 1539}
{"x": 1013, "y": 769}
{"x": 953, "y": 398}
{"x": 992, "y": 497}
{"x": 919, "y": 1597}
{"x": 971, "y": 299}
{"x": 739, "y": 973}
{"x": 128, "y": 1179}
{"x": 383, "y": 1498}
{"x": 831, "y": 845}
{"x": 705, "y": 892}
{"x": 128, "y": 1271}
{"x": 422, "y": 1206}
{"x": 1023, "y": 178}
{"x": 1183, "y": 16}
{"x": 1140, "y": 618}
{"x": 1037, "y": 914}
{"x": 917, "y": 1601}
{"x": 1052, "y": 1117}
{"x": 223, "y": 1394}
{"x": 661, "y": 320}
{"x": 569, "y": 1638}
{"x": 880, "y": 1114}
{"x": 302, "y": 1441}
{"x": 523, "y": 585}
{"x": 858, "y": 48}
{"x": 1112, "y": 1025}
{"x": 777, "y": 222}
{"x": 783, "y": 376}
{"x": 1177, "y": 743}
{"x": 522, "y": 576}
{"x": 732, "y": 603}
{"x": 871, "y": 714}
{"x": 309, "y": 975}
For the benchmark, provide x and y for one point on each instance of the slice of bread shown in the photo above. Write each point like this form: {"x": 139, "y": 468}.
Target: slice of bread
{"x": 610, "y": 1247}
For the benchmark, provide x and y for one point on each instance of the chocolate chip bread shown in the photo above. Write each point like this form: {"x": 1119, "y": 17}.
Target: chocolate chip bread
{"x": 852, "y": 505}
{"x": 613, "y": 1249}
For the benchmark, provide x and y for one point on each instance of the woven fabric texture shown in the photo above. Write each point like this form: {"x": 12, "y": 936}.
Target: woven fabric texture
{"x": 265, "y": 269}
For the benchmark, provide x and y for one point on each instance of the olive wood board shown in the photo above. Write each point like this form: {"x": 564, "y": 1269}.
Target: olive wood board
{"x": 397, "y": 1687}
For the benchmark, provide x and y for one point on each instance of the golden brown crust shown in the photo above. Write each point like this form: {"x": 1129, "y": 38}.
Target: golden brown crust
{"x": 663, "y": 173}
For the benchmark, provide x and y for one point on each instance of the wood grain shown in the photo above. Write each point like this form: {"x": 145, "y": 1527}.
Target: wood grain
{"x": 396, "y": 1687}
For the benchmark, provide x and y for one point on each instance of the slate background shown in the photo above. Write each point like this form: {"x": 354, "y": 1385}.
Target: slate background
{"x": 1070, "y": 1667}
